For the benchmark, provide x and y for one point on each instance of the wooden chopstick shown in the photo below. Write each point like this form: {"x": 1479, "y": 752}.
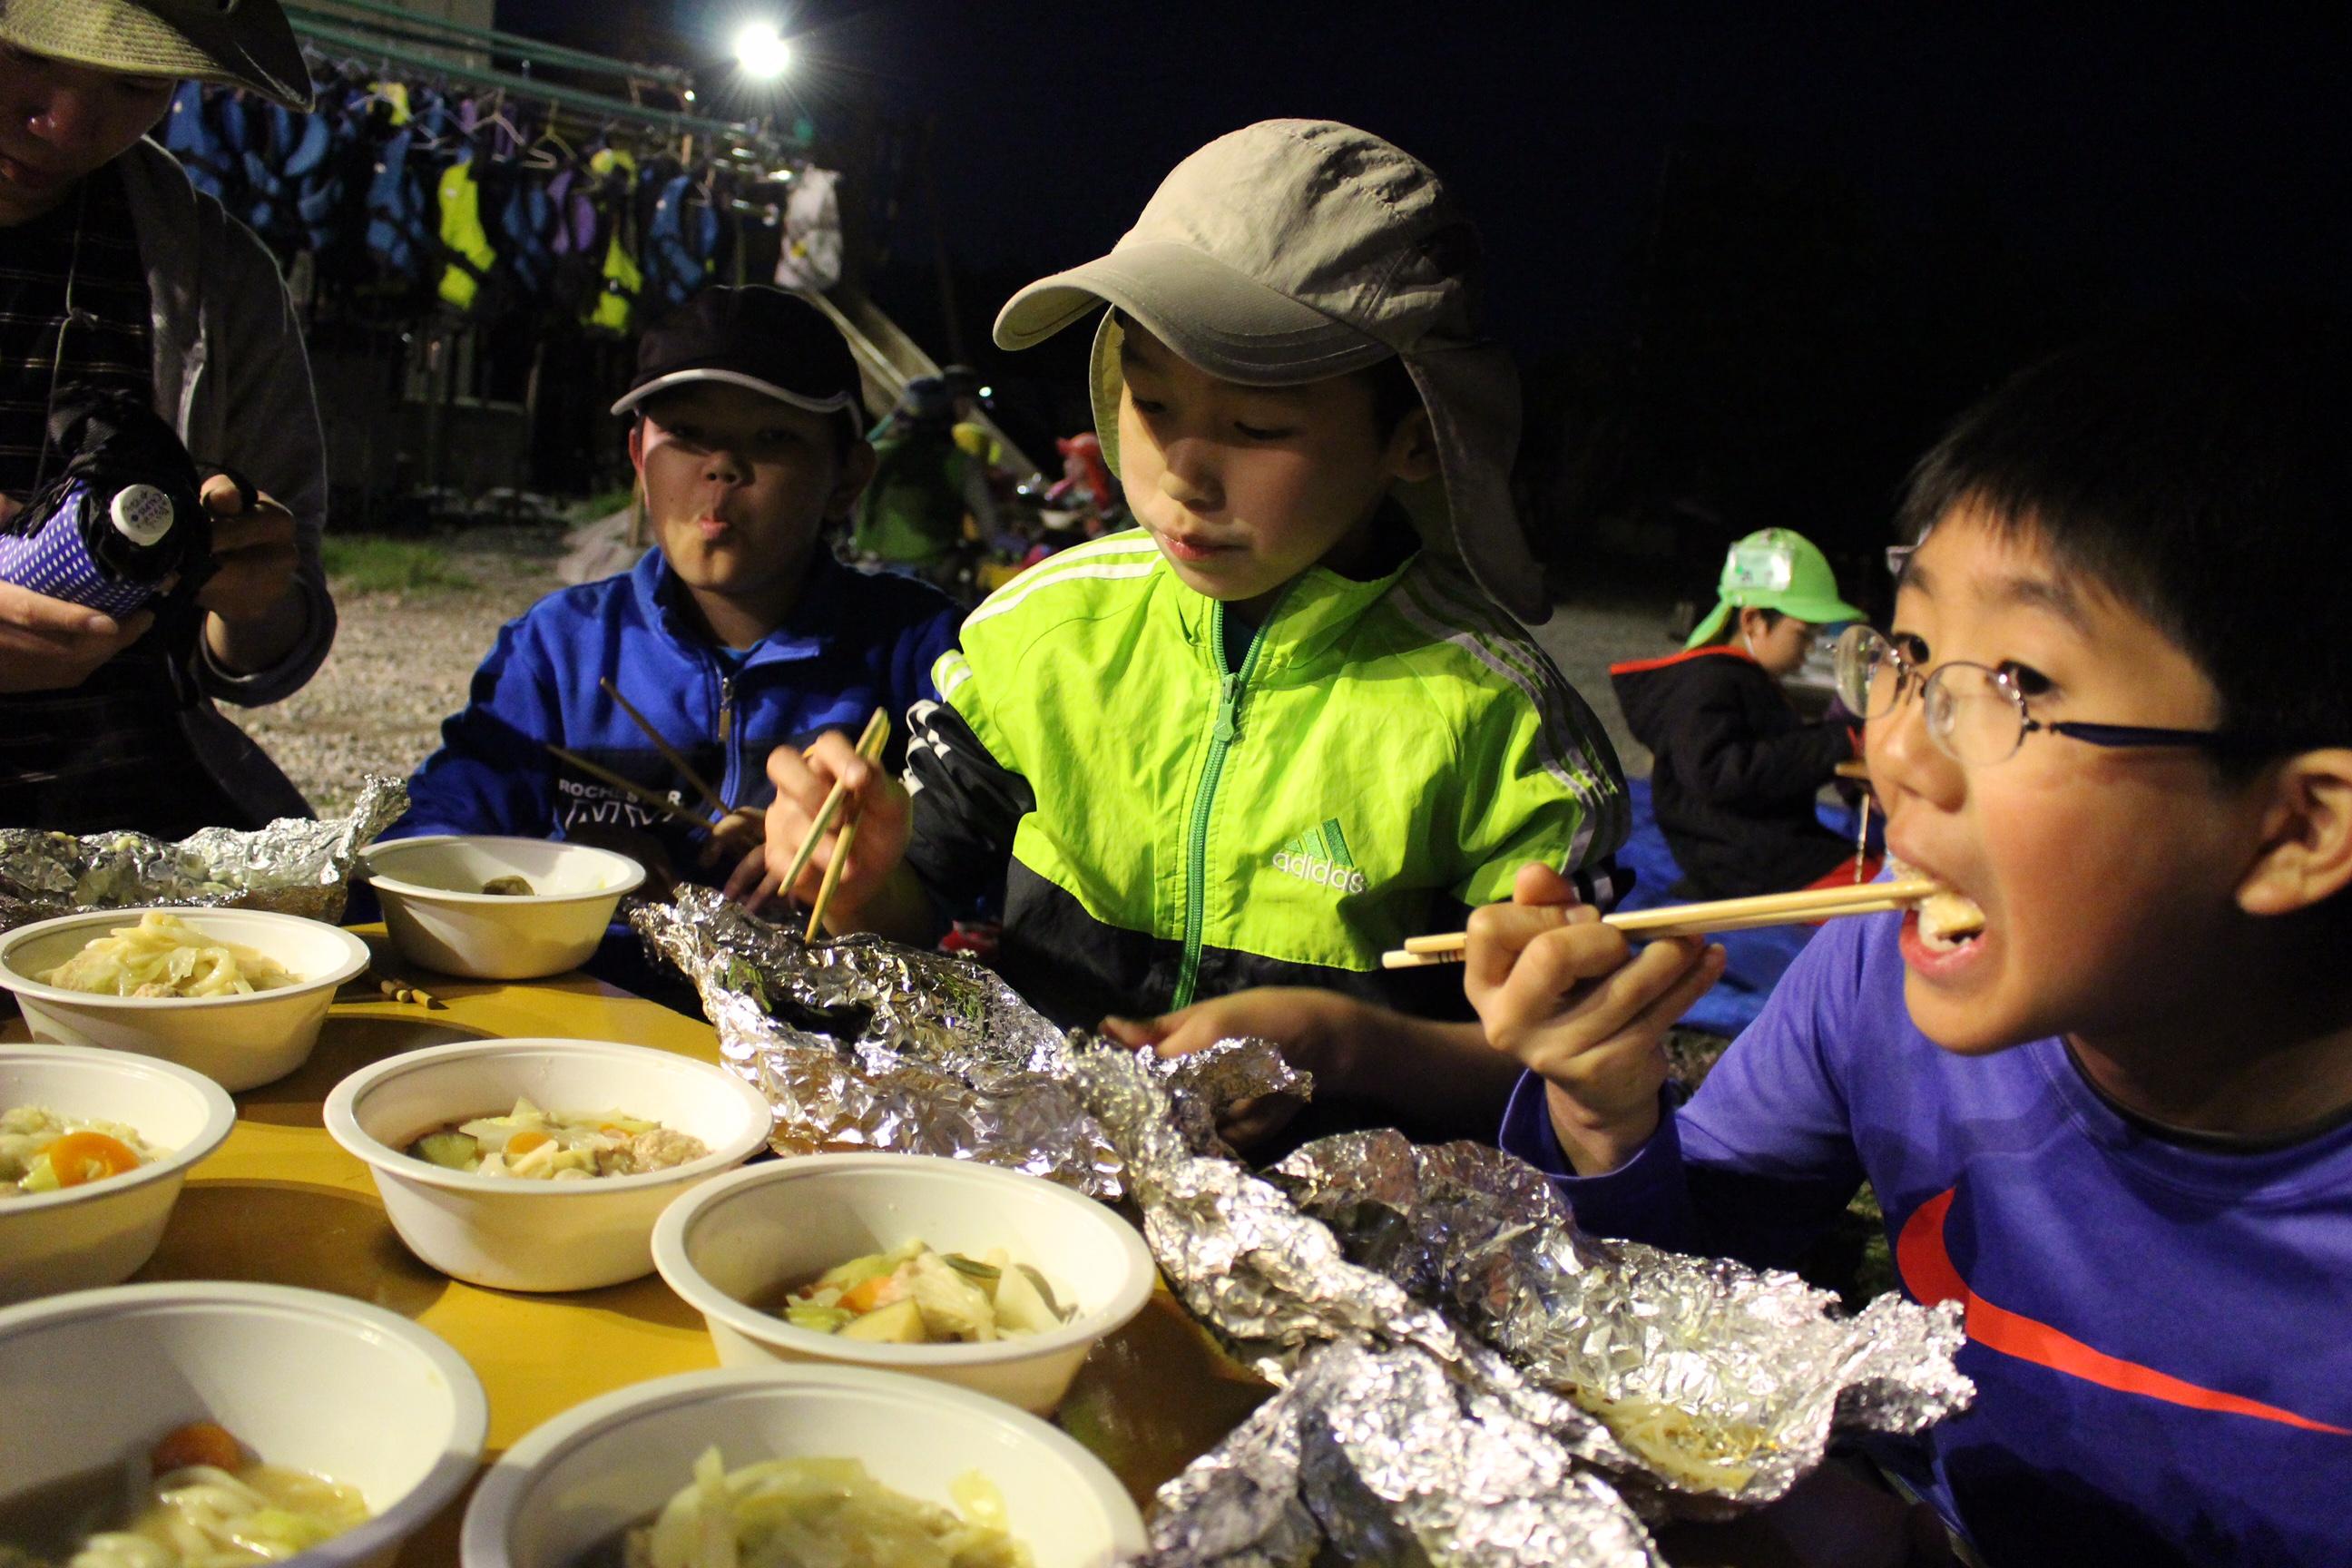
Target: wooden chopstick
{"x": 869, "y": 746}
{"x": 669, "y": 753}
{"x": 1698, "y": 920}
{"x": 651, "y": 797}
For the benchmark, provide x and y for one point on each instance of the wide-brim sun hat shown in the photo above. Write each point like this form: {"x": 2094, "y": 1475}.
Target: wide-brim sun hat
{"x": 1775, "y": 569}
{"x": 237, "y": 43}
{"x": 1295, "y": 250}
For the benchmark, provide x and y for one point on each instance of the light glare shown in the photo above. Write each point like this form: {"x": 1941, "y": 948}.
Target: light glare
{"x": 761, "y": 51}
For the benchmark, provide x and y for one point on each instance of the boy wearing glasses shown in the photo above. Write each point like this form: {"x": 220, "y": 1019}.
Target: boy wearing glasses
{"x": 2114, "y": 1119}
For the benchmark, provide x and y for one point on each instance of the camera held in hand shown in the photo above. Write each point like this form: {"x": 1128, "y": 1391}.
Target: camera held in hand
{"x": 121, "y": 521}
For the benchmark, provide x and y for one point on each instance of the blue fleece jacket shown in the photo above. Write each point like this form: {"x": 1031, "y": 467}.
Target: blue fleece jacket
{"x": 2156, "y": 1326}
{"x": 854, "y": 642}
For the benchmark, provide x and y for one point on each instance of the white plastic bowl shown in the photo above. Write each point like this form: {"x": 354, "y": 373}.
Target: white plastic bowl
{"x": 751, "y": 1235}
{"x": 598, "y": 1468}
{"x": 99, "y": 1233}
{"x": 307, "y": 1380}
{"x": 239, "y": 1042}
{"x": 518, "y": 1235}
{"x": 433, "y": 906}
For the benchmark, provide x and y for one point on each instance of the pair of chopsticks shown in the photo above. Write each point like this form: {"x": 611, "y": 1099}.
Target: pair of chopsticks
{"x": 870, "y": 746}
{"x": 1698, "y": 920}
{"x": 641, "y": 793}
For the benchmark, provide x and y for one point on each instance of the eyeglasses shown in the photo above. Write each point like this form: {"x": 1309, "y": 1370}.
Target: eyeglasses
{"x": 1977, "y": 715}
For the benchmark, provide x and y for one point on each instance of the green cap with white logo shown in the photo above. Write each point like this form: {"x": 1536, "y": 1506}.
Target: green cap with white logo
{"x": 1775, "y": 569}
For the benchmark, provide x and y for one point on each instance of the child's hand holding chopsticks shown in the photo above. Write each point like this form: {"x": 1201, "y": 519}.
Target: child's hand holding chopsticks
{"x": 818, "y": 794}
{"x": 1571, "y": 1001}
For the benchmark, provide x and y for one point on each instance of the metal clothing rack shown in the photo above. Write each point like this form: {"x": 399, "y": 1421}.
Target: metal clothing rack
{"x": 380, "y": 17}
{"x": 329, "y": 37}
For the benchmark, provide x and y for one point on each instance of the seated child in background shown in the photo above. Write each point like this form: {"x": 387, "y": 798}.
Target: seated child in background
{"x": 1277, "y": 728}
{"x": 2114, "y": 1122}
{"x": 1736, "y": 771}
{"x": 738, "y": 635}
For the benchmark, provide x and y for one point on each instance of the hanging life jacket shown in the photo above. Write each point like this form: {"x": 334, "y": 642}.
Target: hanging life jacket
{"x": 679, "y": 243}
{"x": 614, "y": 308}
{"x": 465, "y": 244}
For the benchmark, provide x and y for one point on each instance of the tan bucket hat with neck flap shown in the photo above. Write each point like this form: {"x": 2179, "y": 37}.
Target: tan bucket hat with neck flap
{"x": 1293, "y": 251}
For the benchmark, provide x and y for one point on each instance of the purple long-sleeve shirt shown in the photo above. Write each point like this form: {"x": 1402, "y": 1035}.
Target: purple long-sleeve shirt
{"x": 2160, "y": 1331}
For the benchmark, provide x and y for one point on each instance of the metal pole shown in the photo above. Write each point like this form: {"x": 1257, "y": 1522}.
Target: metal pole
{"x": 465, "y": 35}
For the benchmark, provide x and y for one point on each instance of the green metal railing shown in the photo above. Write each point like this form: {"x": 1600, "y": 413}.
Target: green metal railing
{"x": 464, "y": 34}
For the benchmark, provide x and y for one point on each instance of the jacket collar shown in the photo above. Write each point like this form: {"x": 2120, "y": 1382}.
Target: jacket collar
{"x": 1313, "y": 612}
{"x": 1644, "y": 666}
{"x": 812, "y": 626}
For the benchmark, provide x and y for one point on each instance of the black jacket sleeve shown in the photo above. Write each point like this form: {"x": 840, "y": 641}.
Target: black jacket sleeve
{"x": 967, "y": 806}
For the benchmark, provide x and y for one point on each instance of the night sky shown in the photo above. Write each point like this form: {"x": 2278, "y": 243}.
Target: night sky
{"x": 1986, "y": 180}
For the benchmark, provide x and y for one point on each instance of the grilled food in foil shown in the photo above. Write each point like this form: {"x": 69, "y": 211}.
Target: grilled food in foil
{"x": 863, "y": 1043}
{"x": 295, "y": 866}
{"x": 1378, "y": 1456}
{"x": 1678, "y": 1387}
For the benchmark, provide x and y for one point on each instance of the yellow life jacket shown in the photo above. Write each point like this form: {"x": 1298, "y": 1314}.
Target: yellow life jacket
{"x": 471, "y": 256}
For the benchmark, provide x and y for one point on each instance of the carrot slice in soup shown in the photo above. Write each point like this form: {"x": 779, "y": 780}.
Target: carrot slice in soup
{"x": 80, "y": 1157}
{"x": 524, "y": 1142}
{"x": 197, "y": 1443}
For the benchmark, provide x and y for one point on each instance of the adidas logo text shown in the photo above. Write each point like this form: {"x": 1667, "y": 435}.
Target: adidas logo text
{"x": 1322, "y": 872}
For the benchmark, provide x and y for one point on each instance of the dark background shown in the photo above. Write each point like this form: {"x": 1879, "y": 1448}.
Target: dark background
{"x": 1751, "y": 256}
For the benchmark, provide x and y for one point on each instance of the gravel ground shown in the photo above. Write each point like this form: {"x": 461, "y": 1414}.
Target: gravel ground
{"x": 402, "y": 663}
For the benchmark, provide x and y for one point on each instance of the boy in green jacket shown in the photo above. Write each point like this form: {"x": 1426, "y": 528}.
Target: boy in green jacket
{"x": 1278, "y": 727}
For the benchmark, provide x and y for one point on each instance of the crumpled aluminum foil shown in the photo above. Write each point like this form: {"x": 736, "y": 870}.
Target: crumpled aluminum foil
{"x": 1488, "y": 1239}
{"x": 1379, "y": 1455}
{"x": 295, "y": 866}
{"x": 864, "y": 1042}
{"x": 1458, "y": 1268}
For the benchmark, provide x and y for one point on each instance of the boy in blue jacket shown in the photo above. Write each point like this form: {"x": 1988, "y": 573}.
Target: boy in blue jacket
{"x": 738, "y": 634}
{"x": 2104, "y": 1093}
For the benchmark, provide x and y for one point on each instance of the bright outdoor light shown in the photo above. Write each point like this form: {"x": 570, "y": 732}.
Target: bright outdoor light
{"x": 761, "y": 51}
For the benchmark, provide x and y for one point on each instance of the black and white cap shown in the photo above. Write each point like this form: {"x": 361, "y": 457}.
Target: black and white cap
{"x": 755, "y": 337}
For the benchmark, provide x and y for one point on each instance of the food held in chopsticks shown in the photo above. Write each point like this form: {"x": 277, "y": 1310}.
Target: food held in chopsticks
{"x": 1809, "y": 905}
{"x": 197, "y": 1500}
{"x": 163, "y": 955}
{"x": 1947, "y": 921}
{"x": 782, "y": 1513}
{"x": 539, "y": 1146}
{"x": 42, "y": 1151}
{"x": 913, "y": 1295}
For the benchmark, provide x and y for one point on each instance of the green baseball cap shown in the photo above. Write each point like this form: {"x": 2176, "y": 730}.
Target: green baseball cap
{"x": 1775, "y": 569}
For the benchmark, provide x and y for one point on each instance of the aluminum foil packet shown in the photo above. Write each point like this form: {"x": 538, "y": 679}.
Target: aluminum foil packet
{"x": 1686, "y": 1387}
{"x": 1379, "y": 1455}
{"x": 295, "y": 866}
{"x": 1713, "y": 1381}
{"x": 864, "y": 1042}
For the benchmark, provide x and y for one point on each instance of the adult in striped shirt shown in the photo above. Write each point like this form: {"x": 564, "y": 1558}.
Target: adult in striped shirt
{"x": 115, "y": 274}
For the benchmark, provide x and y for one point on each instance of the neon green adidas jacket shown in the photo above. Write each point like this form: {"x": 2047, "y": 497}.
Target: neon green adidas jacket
{"x": 1168, "y": 829}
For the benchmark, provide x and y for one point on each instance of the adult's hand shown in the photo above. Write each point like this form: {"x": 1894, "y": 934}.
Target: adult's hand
{"x": 52, "y": 645}
{"x": 255, "y": 615}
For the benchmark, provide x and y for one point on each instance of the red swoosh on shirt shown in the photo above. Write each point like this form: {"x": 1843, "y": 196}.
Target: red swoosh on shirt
{"x": 1929, "y": 1274}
